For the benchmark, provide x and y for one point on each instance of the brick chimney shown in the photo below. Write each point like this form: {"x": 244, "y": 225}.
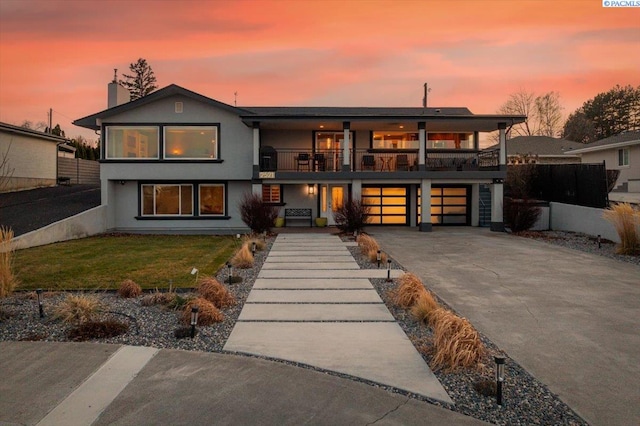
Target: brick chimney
{"x": 117, "y": 95}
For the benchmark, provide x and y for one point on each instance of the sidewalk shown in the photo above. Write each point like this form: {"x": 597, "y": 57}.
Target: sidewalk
{"x": 312, "y": 304}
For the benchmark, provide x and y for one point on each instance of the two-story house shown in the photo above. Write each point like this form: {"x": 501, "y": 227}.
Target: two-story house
{"x": 177, "y": 161}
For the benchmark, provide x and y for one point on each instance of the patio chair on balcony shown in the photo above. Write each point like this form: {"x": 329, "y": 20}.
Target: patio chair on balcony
{"x": 303, "y": 160}
{"x": 319, "y": 162}
{"x": 402, "y": 162}
{"x": 368, "y": 162}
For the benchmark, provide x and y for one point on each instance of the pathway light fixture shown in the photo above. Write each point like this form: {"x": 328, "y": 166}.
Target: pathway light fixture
{"x": 378, "y": 257}
{"x": 40, "y": 306}
{"x": 229, "y": 272}
{"x": 253, "y": 248}
{"x": 599, "y": 241}
{"x": 499, "y": 359}
{"x": 388, "y": 270}
{"x": 194, "y": 320}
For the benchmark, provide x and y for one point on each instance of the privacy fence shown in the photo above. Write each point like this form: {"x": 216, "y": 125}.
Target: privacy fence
{"x": 79, "y": 171}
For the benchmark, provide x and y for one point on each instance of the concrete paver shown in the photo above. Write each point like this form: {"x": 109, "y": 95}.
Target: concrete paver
{"x": 314, "y": 296}
{"x": 569, "y": 318}
{"x": 315, "y": 312}
{"x": 311, "y": 283}
{"x": 317, "y": 273}
{"x": 316, "y": 265}
{"x": 308, "y": 253}
{"x": 346, "y": 257}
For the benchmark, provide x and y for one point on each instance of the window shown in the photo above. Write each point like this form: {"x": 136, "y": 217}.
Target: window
{"x": 450, "y": 141}
{"x": 271, "y": 194}
{"x": 191, "y": 142}
{"x": 167, "y": 200}
{"x": 131, "y": 142}
{"x": 212, "y": 200}
{"x": 395, "y": 140}
{"x": 623, "y": 157}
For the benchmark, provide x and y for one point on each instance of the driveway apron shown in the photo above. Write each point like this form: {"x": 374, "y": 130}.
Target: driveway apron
{"x": 569, "y": 318}
{"x": 311, "y": 304}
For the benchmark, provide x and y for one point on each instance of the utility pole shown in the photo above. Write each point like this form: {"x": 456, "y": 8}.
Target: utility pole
{"x": 235, "y": 98}
{"x": 426, "y": 93}
{"x": 50, "y": 120}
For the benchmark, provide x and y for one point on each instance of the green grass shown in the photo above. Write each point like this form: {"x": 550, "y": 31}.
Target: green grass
{"x": 103, "y": 262}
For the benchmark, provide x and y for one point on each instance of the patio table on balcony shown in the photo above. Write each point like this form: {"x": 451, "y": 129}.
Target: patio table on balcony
{"x": 385, "y": 162}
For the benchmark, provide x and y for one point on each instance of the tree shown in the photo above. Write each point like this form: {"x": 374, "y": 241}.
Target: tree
{"x": 607, "y": 114}
{"x": 141, "y": 81}
{"x": 543, "y": 113}
{"x": 39, "y": 126}
{"x": 6, "y": 172}
{"x": 84, "y": 149}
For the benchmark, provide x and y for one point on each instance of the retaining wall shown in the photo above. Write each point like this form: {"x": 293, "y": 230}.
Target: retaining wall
{"x": 588, "y": 220}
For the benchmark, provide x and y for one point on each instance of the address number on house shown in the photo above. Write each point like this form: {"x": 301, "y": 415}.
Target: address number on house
{"x": 267, "y": 175}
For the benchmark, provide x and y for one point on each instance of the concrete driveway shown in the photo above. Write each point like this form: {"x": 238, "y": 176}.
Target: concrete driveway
{"x": 570, "y": 318}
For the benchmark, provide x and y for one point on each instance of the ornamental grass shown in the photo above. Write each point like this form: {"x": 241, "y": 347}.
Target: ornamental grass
{"x": 372, "y": 255}
{"x": 456, "y": 343}
{"x": 8, "y": 281}
{"x": 253, "y": 238}
{"x": 77, "y": 309}
{"x": 207, "y": 312}
{"x": 367, "y": 244}
{"x": 424, "y": 308}
{"x": 243, "y": 259}
{"x": 129, "y": 289}
{"x": 158, "y": 298}
{"x": 212, "y": 290}
{"x": 407, "y": 293}
{"x": 626, "y": 221}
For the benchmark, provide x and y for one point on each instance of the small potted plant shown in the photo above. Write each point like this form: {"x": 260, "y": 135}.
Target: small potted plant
{"x": 279, "y": 222}
{"x": 321, "y": 222}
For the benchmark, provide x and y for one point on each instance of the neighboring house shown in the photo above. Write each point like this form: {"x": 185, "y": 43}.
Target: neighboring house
{"x": 177, "y": 161}
{"x": 31, "y": 157}
{"x": 66, "y": 151}
{"x": 619, "y": 152}
{"x": 540, "y": 150}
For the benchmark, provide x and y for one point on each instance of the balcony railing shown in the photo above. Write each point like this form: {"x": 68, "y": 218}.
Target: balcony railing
{"x": 300, "y": 160}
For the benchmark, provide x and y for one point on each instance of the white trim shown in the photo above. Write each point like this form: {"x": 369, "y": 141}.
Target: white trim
{"x": 605, "y": 147}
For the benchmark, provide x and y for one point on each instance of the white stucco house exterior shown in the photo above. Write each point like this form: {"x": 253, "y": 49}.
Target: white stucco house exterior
{"x": 178, "y": 161}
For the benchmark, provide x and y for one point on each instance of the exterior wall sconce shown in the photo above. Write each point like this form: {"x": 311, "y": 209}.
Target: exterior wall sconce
{"x": 122, "y": 182}
{"x": 499, "y": 359}
{"x": 311, "y": 189}
{"x": 194, "y": 321}
{"x": 40, "y": 306}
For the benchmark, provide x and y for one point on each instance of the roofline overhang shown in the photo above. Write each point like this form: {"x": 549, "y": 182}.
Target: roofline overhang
{"x": 607, "y": 146}
{"x": 30, "y": 132}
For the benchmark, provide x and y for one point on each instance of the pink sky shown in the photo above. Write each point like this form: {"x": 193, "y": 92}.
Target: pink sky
{"x": 60, "y": 54}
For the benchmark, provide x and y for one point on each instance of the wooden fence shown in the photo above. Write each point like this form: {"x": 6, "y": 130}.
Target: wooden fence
{"x": 79, "y": 171}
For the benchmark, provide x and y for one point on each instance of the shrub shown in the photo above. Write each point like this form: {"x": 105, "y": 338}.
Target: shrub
{"x": 129, "y": 289}
{"x": 8, "y": 280}
{"x": 243, "y": 259}
{"x": 367, "y": 243}
{"x": 97, "y": 330}
{"x": 207, "y": 312}
{"x": 158, "y": 298}
{"x": 178, "y": 302}
{"x": 520, "y": 215}
{"x": 258, "y": 215}
{"x": 216, "y": 293}
{"x": 626, "y": 220}
{"x": 77, "y": 309}
{"x": 351, "y": 216}
{"x": 424, "y": 308}
{"x": 457, "y": 344}
{"x": 250, "y": 239}
{"x": 408, "y": 291}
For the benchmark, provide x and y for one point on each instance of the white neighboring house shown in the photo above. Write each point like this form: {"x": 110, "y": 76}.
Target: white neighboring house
{"x": 31, "y": 157}
{"x": 619, "y": 152}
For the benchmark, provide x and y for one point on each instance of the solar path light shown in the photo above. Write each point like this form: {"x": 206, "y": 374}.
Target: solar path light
{"x": 378, "y": 257}
{"x": 40, "y": 306}
{"x": 499, "y": 359}
{"x": 388, "y": 270}
{"x": 194, "y": 321}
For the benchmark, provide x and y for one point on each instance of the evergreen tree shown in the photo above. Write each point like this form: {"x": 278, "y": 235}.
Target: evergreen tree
{"x": 141, "y": 81}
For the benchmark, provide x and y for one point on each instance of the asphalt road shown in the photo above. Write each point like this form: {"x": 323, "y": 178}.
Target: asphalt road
{"x": 26, "y": 211}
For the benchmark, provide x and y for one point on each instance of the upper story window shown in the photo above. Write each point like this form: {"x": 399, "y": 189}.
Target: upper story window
{"x": 131, "y": 142}
{"x": 395, "y": 140}
{"x": 331, "y": 140}
{"x": 191, "y": 142}
{"x": 450, "y": 141}
{"x": 623, "y": 157}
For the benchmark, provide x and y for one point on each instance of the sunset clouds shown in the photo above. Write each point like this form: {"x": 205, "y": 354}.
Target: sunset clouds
{"x": 61, "y": 53}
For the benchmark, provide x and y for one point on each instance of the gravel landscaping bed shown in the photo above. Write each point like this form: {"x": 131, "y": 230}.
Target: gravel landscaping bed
{"x": 526, "y": 400}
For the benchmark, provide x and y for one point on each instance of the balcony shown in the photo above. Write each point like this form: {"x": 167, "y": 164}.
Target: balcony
{"x": 367, "y": 160}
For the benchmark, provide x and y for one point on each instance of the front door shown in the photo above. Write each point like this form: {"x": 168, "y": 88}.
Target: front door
{"x": 331, "y": 199}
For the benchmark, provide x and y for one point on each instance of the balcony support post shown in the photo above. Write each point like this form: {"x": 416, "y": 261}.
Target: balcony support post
{"x": 256, "y": 147}
{"x": 497, "y": 198}
{"x": 425, "y": 206}
{"x": 503, "y": 145}
{"x": 422, "y": 149}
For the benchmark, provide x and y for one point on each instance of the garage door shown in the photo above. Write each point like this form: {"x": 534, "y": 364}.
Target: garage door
{"x": 449, "y": 205}
{"x": 388, "y": 205}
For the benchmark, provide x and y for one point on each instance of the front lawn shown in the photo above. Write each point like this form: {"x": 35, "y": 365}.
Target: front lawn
{"x": 103, "y": 262}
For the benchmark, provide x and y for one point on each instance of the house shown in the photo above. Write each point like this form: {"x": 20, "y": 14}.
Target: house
{"x": 540, "y": 150}
{"x": 66, "y": 151}
{"x": 178, "y": 161}
{"x": 31, "y": 158}
{"x": 619, "y": 152}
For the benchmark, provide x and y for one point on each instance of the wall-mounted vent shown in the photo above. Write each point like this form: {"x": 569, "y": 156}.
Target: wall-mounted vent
{"x": 178, "y": 107}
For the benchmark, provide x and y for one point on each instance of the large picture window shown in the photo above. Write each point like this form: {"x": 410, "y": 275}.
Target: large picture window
{"x": 191, "y": 142}
{"x": 131, "y": 142}
{"x": 212, "y": 200}
{"x": 167, "y": 200}
{"x": 450, "y": 141}
{"x": 395, "y": 140}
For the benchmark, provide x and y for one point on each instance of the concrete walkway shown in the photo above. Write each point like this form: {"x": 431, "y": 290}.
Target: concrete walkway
{"x": 312, "y": 304}
{"x": 571, "y": 319}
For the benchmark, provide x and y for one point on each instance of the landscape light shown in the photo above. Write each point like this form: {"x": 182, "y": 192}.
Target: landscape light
{"x": 378, "y": 258}
{"x": 599, "y": 241}
{"x": 230, "y": 271}
{"x": 253, "y": 248}
{"x": 194, "y": 320}
{"x": 40, "y": 307}
{"x": 388, "y": 270}
{"x": 499, "y": 359}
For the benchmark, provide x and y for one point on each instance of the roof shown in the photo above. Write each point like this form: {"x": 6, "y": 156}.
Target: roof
{"x": 543, "y": 146}
{"x": 613, "y": 142}
{"x": 444, "y": 117}
{"x": 10, "y": 128}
